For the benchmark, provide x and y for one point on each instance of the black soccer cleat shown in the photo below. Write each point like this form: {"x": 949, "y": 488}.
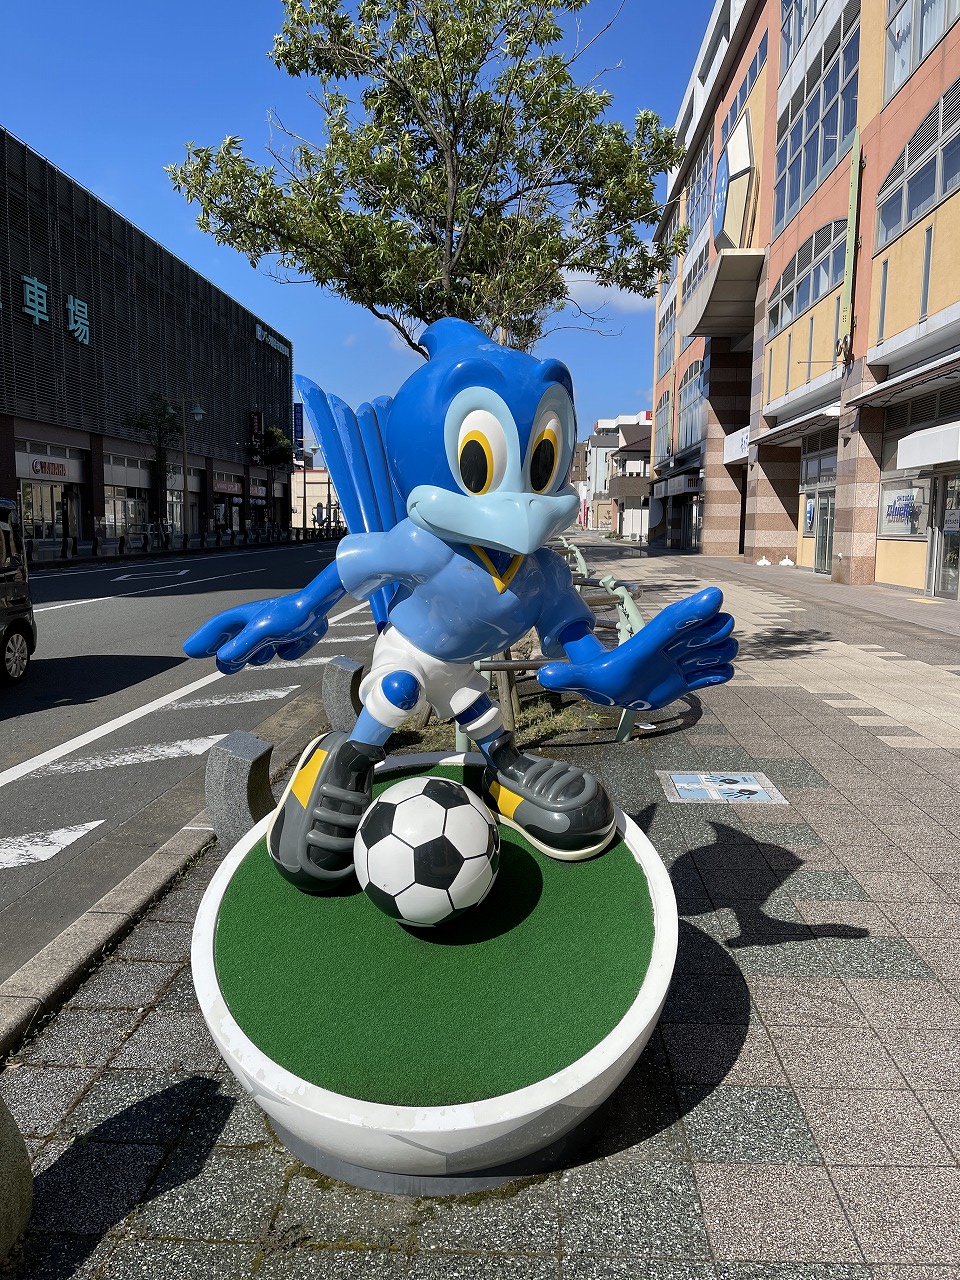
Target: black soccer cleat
{"x": 310, "y": 836}
{"x": 563, "y": 811}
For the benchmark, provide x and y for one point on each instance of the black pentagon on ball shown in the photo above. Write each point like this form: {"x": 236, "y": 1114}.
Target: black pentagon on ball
{"x": 437, "y": 863}
{"x": 385, "y": 901}
{"x": 378, "y": 823}
{"x": 447, "y": 794}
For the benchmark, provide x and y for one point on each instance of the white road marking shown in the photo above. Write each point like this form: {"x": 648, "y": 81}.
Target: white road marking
{"x": 137, "y": 755}
{"x": 38, "y": 846}
{"x": 46, "y": 608}
{"x": 360, "y": 635}
{"x": 164, "y": 573}
{"x": 234, "y": 699}
{"x": 297, "y": 662}
{"x": 92, "y": 735}
{"x": 168, "y": 586}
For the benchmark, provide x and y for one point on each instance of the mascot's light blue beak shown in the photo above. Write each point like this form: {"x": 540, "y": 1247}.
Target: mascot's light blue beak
{"x": 518, "y": 523}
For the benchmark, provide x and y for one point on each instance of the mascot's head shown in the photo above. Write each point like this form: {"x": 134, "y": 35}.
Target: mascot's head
{"x": 479, "y": 442}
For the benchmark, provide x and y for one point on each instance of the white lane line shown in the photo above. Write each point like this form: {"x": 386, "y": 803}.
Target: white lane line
{"x": 194, "y": 582}
{"x": 359, "y": 635}
{"x": 46, "y": 608}
{"x": 163, "y": 573}
{"x": 38, "y": 846}
{"x": 92, "y": 735}
{"x": 137, "y": 755}
{"x": 338, "y": 619}
{"x": 235, "y": 699}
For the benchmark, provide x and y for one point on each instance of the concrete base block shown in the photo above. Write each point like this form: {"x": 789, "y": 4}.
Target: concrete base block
{"x": 237, "y": 785}
{"x": 16, "y": 1183}
{"x": 341, "y": 692}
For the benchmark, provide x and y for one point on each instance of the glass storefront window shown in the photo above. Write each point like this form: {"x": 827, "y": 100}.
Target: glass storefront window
{"x": 904, "y": 509}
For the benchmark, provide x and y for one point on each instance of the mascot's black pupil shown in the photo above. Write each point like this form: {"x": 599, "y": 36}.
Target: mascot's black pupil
{"x": 541, "y": 465}
{"x": 473, "y": 466}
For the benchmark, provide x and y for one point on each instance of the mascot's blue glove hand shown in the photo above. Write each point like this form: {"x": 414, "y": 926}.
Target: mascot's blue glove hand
{"x": 687, "y": 646}
{"x": 254, "y": 633}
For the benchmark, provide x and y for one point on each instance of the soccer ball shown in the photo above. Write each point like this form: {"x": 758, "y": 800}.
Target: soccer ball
{"x": 426, "y": 850}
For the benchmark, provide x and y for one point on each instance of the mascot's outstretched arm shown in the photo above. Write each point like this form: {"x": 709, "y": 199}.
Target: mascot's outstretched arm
{"x": 285, "y": 627}
{"x": 687, "y": 646}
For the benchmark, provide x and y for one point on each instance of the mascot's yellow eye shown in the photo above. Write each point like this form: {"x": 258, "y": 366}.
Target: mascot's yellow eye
{"x": 545, "y": 454}
{"x": 481, "y": 451}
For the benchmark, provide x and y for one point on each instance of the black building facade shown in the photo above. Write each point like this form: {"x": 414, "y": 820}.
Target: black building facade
{"x": 97, "y": 320}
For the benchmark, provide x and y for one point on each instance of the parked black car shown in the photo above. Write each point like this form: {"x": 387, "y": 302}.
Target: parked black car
{"x": 18, "y": 631}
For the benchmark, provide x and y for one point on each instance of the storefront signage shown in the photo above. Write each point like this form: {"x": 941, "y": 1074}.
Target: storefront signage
{"x": 258, "y": 490}
{"x": 40, "y": 467}
{"x": 736, "y": 446}
{"x": 808, "y": 514}
{"x": 228, "y": 486}
{"x": 271, "y": 341}
{"x": 904, "y": 509}
{"x": 951, "y": 521}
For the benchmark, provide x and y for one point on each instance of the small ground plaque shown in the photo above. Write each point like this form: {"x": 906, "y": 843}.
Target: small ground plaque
{"x": 719, "y": 788}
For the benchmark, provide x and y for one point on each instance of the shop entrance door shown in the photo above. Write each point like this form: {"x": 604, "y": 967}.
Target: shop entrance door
{"x": 823, "y": 551}
{"x": 947, "y": 569}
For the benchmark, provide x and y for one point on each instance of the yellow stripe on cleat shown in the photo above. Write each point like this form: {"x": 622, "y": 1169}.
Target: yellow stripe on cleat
{"x": 303, "y": 783}
{"x": 506, "y": 801}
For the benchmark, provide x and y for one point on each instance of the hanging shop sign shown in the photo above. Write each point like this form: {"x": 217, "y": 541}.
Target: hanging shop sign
{"x": 56, "y": 470}
{"x": 227, "y": 486}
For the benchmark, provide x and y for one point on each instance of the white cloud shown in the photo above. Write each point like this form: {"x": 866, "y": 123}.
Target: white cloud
{"x": 588, "y": 294}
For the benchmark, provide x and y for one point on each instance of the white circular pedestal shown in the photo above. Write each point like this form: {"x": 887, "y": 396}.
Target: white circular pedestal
{"x": 449, "y": 1149}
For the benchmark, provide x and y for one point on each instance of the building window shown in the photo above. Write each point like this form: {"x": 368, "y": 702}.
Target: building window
{"x": 815, "y": 269}
{"x": 667, "y": 329}
{"x": 662, "y": 428}
{"x": 740, "y": 101}
{"x": 695, "y": 273}
{"x": 690, "y": 420}
{"x": 796, "y": 18}
{"x": 698, "y": 189}
{"x": 926, "y": 171}
{"x": 673, "y": 226}
{"x": 913, "y": 28}
{"x": 814, "y": 134}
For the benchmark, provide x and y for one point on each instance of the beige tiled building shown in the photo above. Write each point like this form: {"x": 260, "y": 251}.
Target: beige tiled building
{"x": 807, "y": 360}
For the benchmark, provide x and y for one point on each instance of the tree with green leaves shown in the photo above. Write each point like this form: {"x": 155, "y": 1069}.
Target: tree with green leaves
{"x": 462, "y": 169}
{"x": 158, "y": 423}
{"x": 274, "y": 451}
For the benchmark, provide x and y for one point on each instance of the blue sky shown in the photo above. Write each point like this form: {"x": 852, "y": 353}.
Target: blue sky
{"x": 110, "y": 92}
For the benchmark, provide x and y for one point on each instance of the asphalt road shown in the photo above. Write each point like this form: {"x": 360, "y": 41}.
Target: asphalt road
{"x": 104, "y": 744}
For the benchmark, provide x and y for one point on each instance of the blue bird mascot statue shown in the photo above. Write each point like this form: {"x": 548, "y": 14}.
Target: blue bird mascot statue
{"x": 451, "y": 492}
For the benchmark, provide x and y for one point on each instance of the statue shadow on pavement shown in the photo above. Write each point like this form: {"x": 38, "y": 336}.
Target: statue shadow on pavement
{"x": 141, "y": 1152}
{"x": 706, "y": 1018}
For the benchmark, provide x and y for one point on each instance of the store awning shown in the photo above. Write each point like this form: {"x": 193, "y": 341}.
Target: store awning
{"x": 934, "y": 447}
{"x": 827, "y": 415}
{"x": 724, "y": 304}
{"x": 942, "y": 372}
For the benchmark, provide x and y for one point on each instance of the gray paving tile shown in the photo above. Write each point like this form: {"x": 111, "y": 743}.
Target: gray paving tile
{"x": 137, "y": 1106}
{"x": 170, "y": 1041}
{"x": 582, "y": 1266}
{"x": 872, "y": 1126}
{"x": 519, "y": 1218}
{"x": 123, "y": 984}
{"x": 80, "y": 1038}
{"x": 824, "y": 915}
{"x": 916, "y": 920}
{"x": 791, "y": 958}
{"x": 471, "y": 1266}
{"x": 91, "y": 1187}
{"x": 793, "y": 1271}
{"x": 805, "y": 1002}
{"x": 187, "y": 1260}
{"x": 748, "y": 1126}
{"x": 323, "y": 1211}
{"x": 874, "y": 958}
{"x": 903, "y": 1215}
{"x": 901, "y": 886}
{"x": 181, "y": 995}
{"x": 780, "y": 1213}
{"x": 835, "y": 1057}
{"x": 48, "y": 1256}
{"x": 722, "y": 998}
{"x": 918, "y": 1003}
{"x": 943, "y": 1108}
{"x": 244, "y": 1124}
{"x": 928, "y": 1058}
{"x": 165, "y": 941}
{"x": 194, "y": 1196}
{"x": 915, "y": 1273}
{"x": 182, "y": 903}
{"x": 339, "y": 1264}
{"x": 811, "y": 884}
{"x": 708, "y": 1053}
{"x": 40, "y": 1097}
{"x": 635, "y": 1211}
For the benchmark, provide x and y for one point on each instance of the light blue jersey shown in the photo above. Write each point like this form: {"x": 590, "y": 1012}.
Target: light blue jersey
{"x": 454, "y": 602}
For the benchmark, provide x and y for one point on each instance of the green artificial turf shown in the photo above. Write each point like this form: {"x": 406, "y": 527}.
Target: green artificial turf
{"x": 507, "y": 994}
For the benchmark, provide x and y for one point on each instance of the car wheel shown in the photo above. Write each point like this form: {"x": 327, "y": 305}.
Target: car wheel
{"x": 15, "y": 656}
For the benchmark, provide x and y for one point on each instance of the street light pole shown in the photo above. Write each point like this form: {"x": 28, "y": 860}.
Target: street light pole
{"x": 198, "y": 416}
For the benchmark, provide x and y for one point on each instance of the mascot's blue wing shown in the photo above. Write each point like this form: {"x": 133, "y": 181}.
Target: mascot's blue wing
{"x": 353, "y": 447}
